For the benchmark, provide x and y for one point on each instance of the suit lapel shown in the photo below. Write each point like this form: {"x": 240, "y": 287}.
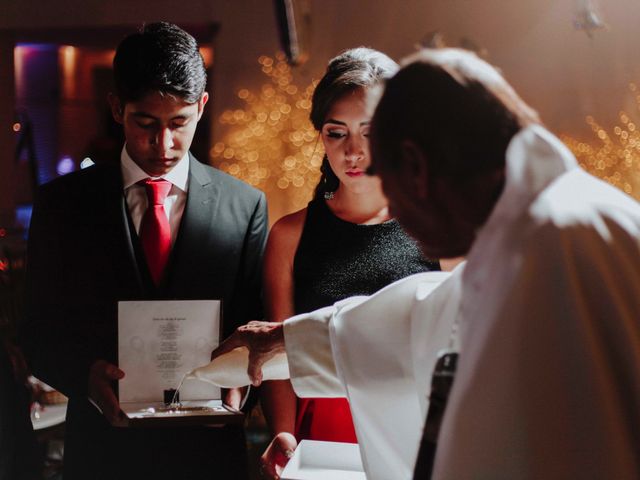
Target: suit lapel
{"x": 198, "y": 218}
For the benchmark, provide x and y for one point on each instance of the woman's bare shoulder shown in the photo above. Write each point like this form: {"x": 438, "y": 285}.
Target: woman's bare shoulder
{"x": 289, "y": 227}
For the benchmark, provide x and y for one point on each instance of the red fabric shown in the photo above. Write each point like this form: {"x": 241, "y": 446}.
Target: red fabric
{"x": 327, "y": 419}
{"x": 155, "y": 233}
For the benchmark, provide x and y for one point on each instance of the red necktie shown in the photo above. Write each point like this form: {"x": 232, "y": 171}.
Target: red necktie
{"x": 155, "y": 233}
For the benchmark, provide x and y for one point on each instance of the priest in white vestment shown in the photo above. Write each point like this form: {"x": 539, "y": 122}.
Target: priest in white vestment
{"x": 548, "y": 382}
{"x": 546, "y": 309}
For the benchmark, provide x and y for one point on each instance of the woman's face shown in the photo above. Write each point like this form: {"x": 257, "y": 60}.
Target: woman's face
{"x": 345, "y": 135}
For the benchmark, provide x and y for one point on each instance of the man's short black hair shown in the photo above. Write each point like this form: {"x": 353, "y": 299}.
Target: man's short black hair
{"x": 163, "y": 58}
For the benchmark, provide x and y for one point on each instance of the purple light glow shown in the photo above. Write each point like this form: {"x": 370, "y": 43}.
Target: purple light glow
{"x": 65, "y": 165}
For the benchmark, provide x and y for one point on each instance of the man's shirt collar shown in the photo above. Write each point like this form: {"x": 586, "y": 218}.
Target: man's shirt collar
{"x": 132, "y": 173}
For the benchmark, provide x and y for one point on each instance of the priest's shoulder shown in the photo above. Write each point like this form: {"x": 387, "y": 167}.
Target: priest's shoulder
{"x": 577, "y": 200}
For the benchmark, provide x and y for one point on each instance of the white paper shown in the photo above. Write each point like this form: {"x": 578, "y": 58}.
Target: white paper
{"x": 160, "y": 341}
{"x": 314, "y": 460}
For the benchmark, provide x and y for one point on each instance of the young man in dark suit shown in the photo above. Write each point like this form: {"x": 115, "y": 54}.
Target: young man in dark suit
{"x": 159, "y": 225}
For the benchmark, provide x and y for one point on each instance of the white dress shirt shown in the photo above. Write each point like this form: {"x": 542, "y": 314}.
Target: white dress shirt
{"x": 136, "y": 194}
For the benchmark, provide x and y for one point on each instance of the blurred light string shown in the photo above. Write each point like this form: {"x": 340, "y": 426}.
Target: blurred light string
{"x": 614, "y": 154}
{"x": 271, "y": 144}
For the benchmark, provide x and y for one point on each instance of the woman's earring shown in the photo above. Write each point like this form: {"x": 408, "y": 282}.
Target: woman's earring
{"x": 328, "y": 195}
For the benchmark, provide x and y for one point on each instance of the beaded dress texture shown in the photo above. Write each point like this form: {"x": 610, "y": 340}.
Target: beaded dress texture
{"x": 337, "y": 259}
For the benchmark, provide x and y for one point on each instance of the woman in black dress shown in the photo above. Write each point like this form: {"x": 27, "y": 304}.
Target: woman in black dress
{"x": 344, "y": 243}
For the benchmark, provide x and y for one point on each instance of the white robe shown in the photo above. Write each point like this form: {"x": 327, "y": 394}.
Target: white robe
{"x": 548, "y": 382}
{"x": 379, "y": 352}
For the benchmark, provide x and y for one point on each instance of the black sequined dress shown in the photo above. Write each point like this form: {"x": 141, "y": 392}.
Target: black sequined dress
{"x": 337, "y": 259}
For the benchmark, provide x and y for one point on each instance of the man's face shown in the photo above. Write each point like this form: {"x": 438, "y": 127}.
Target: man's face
{"x": 426, "y": 210}
{"x": 158, "y": 129}
{"x": 405, "y": 205}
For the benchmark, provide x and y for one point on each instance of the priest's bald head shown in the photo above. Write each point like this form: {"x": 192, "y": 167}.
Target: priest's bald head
{"x": 439, "y": 137}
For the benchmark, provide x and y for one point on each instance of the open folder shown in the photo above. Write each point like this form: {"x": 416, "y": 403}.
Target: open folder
{"x": 158, "y": 343}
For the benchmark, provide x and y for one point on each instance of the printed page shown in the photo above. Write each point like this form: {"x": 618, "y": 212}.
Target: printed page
{"x": 160, "y": 341}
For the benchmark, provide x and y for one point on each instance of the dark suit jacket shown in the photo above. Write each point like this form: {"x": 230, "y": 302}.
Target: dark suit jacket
{"x": 19, "y": 459}
{"x": 83, "y": 257}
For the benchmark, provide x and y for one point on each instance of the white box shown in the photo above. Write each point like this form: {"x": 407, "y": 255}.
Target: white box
{"x": 314, "y": 460}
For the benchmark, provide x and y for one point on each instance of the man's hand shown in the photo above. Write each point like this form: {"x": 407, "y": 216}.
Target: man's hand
{"x": 277, "y": 455}
{"x": 263, "y": 339}
{"x": 101, "y": 375}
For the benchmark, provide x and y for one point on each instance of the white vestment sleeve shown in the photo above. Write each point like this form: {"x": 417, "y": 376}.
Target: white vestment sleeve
{"x": 372, "y": 348}
{"x": 432, "y": 330}
{"x": 367, "y": 348}
{"x": 309, "y": 352}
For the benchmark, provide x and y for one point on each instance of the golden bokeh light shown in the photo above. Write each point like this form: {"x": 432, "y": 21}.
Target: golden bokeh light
{"x": 614, "y": 155}
{"x": 271, "y": 143}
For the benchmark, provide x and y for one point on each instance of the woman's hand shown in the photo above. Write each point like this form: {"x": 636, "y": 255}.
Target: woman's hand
{"x": 277, "y": 455}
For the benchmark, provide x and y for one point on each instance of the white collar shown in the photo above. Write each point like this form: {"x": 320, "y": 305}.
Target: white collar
{"x": 534, "y": 159}
{"x": 132, "y": 173}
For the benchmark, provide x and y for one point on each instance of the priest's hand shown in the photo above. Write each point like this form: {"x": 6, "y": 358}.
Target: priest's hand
{"x": 277, "y": 455}
{"x": 263, "y": 339}
{"x": 101, "y": 376}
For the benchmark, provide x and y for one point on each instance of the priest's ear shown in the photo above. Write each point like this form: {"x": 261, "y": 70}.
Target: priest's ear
{"x": 415, "y": 169}
{"x": 117, "y": 108}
